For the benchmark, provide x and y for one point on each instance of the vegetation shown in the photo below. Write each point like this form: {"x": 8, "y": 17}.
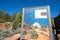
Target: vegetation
{"x": 34, "y": 34}
{"x": 7, "y": 33}
{"x": 52, "y": 20}
{"x": 15, "y": 19}
{"x": 16, "y": 24}
{"x": 24, "y": 32}
{"x": 4, "y": 16}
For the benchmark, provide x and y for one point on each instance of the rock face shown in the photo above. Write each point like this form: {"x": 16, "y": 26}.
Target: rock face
{"x": 9, "y": 25}
{"x": 2, "y": 26}
{"x": 43, "y": 35}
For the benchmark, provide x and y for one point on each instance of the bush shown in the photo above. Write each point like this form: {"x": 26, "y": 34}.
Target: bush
{"x": 34, "y": 34}
{"x": 7, "y": 33}
{"x": 24, "y": 32}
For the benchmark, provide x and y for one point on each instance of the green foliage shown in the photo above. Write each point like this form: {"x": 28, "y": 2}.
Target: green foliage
{"x": 7, "y": 17}
{"x": 24, "y": 32}
{"x": 7, "y": 33}
{"x": 52, "y": 20}
{"x": 1, "y": 16}
{"x": 34, "y": 34}
{"x": 15, "y": 24}
{"x": 18, "y": 20}
{"x": 4, "y": 16}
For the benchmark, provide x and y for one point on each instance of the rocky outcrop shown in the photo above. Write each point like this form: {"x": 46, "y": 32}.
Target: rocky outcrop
{"x": 2, "y": 26}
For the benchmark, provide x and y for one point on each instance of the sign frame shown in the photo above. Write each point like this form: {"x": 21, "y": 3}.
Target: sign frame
{"x": 49, "y": 20}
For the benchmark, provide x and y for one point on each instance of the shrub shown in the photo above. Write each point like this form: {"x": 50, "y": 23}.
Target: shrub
{"x": 7, "y": 33}
{"x": 34, "y": 34}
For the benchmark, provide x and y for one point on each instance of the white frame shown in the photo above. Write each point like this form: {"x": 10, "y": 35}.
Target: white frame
{"x": 49, "y": 18}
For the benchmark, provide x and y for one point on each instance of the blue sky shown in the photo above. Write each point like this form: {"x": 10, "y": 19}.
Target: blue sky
{"x": 12, "y": 6}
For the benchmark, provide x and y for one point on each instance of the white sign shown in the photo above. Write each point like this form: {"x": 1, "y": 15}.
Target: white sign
{"x": 41, "y": 13}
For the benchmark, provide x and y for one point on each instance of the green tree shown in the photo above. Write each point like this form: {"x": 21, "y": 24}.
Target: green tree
{"x": 2, "y": 13}
{"x": 13, "y": 17}
{"x": 7, "y": 17}
{"x": 18, "y": 20}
